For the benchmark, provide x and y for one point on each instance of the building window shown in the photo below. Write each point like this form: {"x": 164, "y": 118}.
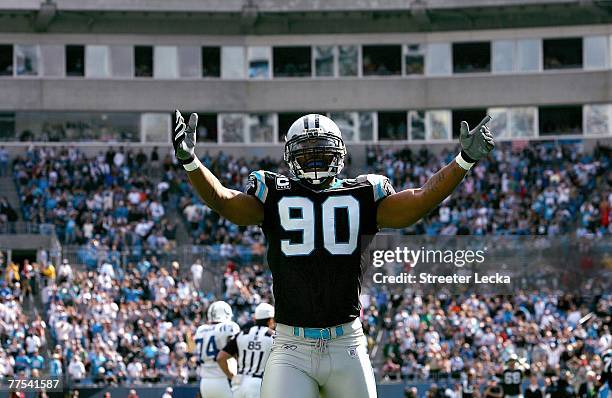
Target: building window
{"x": 596, "y": 52}
{"x": 7, "y": 126}
{"x": 382, "y": 60}
{"x": 121, "y": 61}
{"x": 348, "y": 60}
{"x": 232, "y": 127}
{"x": 324, "y": 61}
{"x": 53, "y": 60}
{"x": 26, "y": 59}
{"x": 439, "y": 125}
{"x": 417, "y": 125}
{"x": 523, "y": 122}
{"x": 232, "y": 63}
{"x": 597, "y": 119}
{"x": 207, "y": 127}
{"x": 261, "y": 127}
{"x": 143, "y": 61}
{"x": 347, "y": 122}
{"x": 165, "y": 64}
{"x": 154, "y": 127}
{"x": 560, "y": 120}
{"x": 499, "y": 122}
{"x": 414, "y": 59}
{"x": 562, "y": 53}
{"x": 472, "y": 116}
{"x": 6, "y": 60}
{"x": 366, "y": 126}
{"x": 78, "y": 126}
{"x": 528, "y": 54}
{"x": 473, "y": 57}
{"x": 503, "y": 56}
{"x": 259, "y": 62}
{"x": 292, "y": 61}
{"x": 190, "y": 61}
{"x": 392, "y": 126}
{"x": 438, "y": 61}
{"x": 285, "y": 120}
{"x": 97, "y": 62}
{"x": 75, "y": 60}
{"x": 211, "y": 61}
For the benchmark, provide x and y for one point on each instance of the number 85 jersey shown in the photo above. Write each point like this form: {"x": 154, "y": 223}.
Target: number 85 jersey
{"x": 314, "y": 244}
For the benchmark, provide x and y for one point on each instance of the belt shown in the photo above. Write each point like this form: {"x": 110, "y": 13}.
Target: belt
{"x": 313, "y": 333}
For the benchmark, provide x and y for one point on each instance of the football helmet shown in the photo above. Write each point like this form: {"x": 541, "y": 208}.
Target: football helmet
{"x": 220, "y": 311}
{"x": 314, "y": 149}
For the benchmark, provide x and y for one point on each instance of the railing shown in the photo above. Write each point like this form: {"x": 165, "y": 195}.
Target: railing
{"x": 23, "y": 227}
{"x": 91, "y": 256}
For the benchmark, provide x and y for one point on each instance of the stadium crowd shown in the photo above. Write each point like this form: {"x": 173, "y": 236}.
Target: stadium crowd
{"x": 110, "y": 198}
{"x": 103, "y": 320}
{"x": 469, "y": 340}
{"x": 541, "y": 189}
{"x": 206, "y": 227}
{"x": 112, "y": 325}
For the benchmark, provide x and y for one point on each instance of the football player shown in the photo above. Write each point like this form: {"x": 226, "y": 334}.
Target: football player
{"x": 251, "y": 348}
{"x": 209, "y": 339}
{"x": 313, "y": 222}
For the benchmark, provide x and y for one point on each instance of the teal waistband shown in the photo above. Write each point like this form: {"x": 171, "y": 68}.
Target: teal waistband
{"x": 316, "y": 334}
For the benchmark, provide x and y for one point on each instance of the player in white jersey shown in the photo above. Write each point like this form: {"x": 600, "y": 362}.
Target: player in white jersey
{"x": 251, "y": 348}
{"x": 209, "y": 339}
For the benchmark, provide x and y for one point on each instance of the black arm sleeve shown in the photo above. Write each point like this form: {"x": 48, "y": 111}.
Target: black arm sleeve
{"x": 232, "y": 347}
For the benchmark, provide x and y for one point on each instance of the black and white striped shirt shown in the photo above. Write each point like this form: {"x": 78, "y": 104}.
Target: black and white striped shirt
{"x": 252, "y": 349}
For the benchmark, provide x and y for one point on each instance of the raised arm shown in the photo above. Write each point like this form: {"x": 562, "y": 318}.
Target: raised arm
{"x": 404, "y": 208}
{"x": 238, "y": 207}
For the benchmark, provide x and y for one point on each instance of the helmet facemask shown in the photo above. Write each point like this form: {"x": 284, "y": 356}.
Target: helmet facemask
{"x": 315, "y": 156}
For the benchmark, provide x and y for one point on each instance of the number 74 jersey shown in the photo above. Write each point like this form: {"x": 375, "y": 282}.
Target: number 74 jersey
{"x": 209, "y": 340}
{"x": 314, "y": 244}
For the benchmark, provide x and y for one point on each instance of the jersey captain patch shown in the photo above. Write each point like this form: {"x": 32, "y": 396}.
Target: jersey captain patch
{"x": 282, "y": 182}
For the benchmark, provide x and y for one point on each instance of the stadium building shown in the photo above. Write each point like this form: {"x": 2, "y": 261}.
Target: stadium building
{"x": 387, "y": 71}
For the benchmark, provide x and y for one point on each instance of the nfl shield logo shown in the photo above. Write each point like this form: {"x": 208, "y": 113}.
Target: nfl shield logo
{"x": 352, "y": 351}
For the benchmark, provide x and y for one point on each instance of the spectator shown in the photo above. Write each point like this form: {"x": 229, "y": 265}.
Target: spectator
{"x": 196, "y": 274}
{"x": 4, "y": 161}
{"x": 533, "y": 390}
{"x": 589, "y": 388}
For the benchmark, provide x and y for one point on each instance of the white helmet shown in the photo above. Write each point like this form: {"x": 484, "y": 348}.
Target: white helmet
{"x": 220, "y": 311}
{"x": 314, "y": 149}
{"x": 264, "y": 311}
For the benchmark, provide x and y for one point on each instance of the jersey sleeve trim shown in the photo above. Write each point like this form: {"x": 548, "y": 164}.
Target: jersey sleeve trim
{"x": 381, "y": 186}
{"x": 261, "y": 190}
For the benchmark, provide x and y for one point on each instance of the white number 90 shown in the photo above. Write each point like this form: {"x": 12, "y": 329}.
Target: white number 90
{"x": 305, "y": 223}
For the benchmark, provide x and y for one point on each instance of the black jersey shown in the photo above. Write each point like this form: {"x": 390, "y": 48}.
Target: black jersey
{"x": 314, "y": 244}
{"x": 512, "y": 380}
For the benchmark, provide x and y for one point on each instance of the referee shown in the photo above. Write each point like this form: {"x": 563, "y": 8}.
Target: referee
{"x": 251, "y": 348}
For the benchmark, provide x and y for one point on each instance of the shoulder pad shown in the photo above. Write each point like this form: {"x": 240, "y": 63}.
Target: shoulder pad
{"x": 261, "y": 182}
{"x": 201, "y": 329}
{"x": 381, "y": 185}
{"x": 235, "y": 328}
